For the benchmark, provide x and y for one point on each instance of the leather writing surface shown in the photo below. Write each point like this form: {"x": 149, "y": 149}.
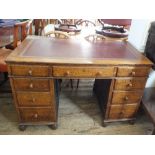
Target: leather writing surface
{"x": 62, "y": 48}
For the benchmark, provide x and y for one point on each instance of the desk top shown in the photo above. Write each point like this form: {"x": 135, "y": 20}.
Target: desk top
{"x": 37, "y": 49}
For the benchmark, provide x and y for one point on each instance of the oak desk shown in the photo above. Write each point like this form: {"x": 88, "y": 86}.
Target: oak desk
{"x": 34, "y": 67}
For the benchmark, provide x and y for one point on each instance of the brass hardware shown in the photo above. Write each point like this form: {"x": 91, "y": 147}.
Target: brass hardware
{"x": 33, "y": 100}
{"x": 126, "y": 98}
{"x": 66, "y": 73}
{"x": 133, "y": 73}
{"x": 31, "y": 85}
{"x": 98, "y": 73}
{"x": 30, "y": 72}
{"x": 129, "y": 85}
{"x": 35, "y": 115}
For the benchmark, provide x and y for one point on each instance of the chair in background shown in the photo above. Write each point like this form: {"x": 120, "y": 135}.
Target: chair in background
{"x": 57, "y": 34}
{"x": 95, "y": 37}
{"x": 20, "y": 31}
{"x": 114, "y": 28}
{"x": 84, "y": 22}
{"x": 43, "y": 26}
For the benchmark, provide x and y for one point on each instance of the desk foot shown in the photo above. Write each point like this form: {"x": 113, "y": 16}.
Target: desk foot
{"x": 103, "y": 124}
{"x": 22, "y": 127}
{"x": 131, "y": 122}
{"x": 53, "y": 126}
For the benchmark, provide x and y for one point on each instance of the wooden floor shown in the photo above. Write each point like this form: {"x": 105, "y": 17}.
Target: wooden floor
{"x": 78, "y": 114}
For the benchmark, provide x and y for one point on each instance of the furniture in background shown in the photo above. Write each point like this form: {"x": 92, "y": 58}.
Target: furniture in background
{"x": 39, "y": 24}
{"x": 34, "y": 73}
{"x": 116, "y": 28}
{"x": 45, "y": 25}
{"x": 20, "y": 31}
{"x": 148, "y": 103}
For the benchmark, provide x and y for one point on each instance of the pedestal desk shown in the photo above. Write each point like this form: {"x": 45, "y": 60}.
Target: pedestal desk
{"x": 34, "y": 67}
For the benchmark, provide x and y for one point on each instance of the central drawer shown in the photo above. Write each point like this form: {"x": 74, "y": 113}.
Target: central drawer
{"x": 31, "y": 84}
{"x": 120, "y": 97}
{"x": 83, "y": 71}
{"x": 30, "y": 70}
{"x": 34, "y": 99}
{"x": 37, "y": 115}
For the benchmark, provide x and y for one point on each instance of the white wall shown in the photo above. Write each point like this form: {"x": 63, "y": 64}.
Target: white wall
{"x": 138, "y": 33}
{"x": 138, "y": 37}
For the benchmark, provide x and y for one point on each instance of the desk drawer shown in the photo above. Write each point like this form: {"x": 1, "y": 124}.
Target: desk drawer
{"x": 29, "y": 70}
{"x": 34, "y": 99}
{"x": 121, "y": 97}
{"x": 133, "y": 71}
{"x": 71, "y": 71}
{"x": 37, "y": 114}
{"x": 31, "y": 84}
{"x": 130, "y": 84}
{"x": 122, "y": 111}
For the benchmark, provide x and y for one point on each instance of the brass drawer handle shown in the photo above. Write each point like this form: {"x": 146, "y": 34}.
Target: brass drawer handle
{"x": 31, "y": 85}
{"x": 30, "y": 72}
{"x": 33, "y": 100}
{"x": 133, "y": 73}
{"x": 67, "y": 73}
{"x": 126, "y": 98}
{"x": 130, "y": 85}
{"x": 35, "y": 115}
{"x": 99, "y": 73}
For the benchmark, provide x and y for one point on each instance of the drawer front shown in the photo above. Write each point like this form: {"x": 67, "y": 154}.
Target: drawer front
{"x": 133, "y": 71}
{"x": 124, "y": 97}
{"x": 122, "y": 111}
{"x": 130, "y": 110}
{"x": 29, "y": 70}
{"x": 37, "y": 115}
{"x": 60, "y": 71}
{"x": 29, "y": 84}
{"x": 34, "y": 99}
{"x": 130, "y": 84}
{"x": 115, "y": 112}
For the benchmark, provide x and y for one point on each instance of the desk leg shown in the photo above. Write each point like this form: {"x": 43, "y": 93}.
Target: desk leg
{"x": 22, "y": 127}
{"x": 53, "y": 126}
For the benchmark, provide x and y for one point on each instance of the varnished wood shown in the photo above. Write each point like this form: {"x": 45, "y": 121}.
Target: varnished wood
{"x": 132, "y": 71}
{"x": 130, "y": 83}
{"x": 31, "y": 84}
{"x": 122, "y": 111}
{"x": 122, "y": 97}
{"x": 72, "y": 71}
{"x": 29, "y": 70}
{"x": 37, "y": 115}
{"x": 33, "y": 99}
{"x": 115, "y": 65}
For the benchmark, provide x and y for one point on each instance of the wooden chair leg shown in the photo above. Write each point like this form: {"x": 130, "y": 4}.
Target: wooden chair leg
{"x": 78, "y": 83}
